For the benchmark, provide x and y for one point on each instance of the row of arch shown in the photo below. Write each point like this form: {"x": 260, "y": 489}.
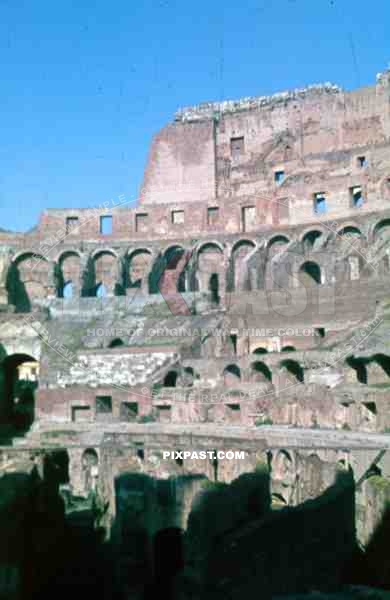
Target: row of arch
{"x": 209, "y": 267}
{"x": 259, "y": 372}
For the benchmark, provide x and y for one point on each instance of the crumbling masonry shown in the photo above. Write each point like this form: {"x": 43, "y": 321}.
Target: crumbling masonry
{"x": 246, "y": 292}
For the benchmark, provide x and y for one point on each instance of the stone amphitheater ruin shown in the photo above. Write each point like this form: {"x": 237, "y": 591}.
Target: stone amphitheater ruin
{"x": 243, "y": 304}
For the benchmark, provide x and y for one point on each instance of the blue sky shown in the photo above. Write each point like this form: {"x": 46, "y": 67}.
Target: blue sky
{"x": 86, "y": 84}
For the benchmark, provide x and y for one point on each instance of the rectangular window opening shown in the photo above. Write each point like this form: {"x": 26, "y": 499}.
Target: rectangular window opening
{"x": 103, "y": 405}
{"x": 237, "y": 147}
{"x": 71, "y": 224}
{"x": 212, "y": 215}
{"x": 320, "y": 205}
{"x": 129, "y": 411}
{"x": 81, "y": 413}
{"x": 362, "y": 162}
{"x": 141, "y": 222}
{"x": 356, "y": 195}
{"x": 279, "y": 177}
{"x": 248, "y": 217}
{"x": 106, "y": 225}
{"x": 177, "y": 217}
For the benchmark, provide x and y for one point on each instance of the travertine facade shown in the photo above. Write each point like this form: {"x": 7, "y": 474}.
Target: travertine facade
{"x": 249, "y": 287}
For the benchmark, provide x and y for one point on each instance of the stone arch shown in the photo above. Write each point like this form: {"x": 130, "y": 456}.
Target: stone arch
{"x": 359, "y": 365}
{"x": 174, "y": 263}
{"x": 138, "y": 265}
{"x": 90, "y": 457}
{"x": 231, "y": 375}
{"x": 116, "y": 343}
{"x": 288, "y": 349}
{"x": 260, "y": 350}
{"x": 212, "y": 244}
{"x": 104, "y": 250}
{"x": 19, "y": 376}
{"x": 70, "y": 251}
{"x": 294, "y": 370}
{"x": 277, "y": 244}
{"x": 260, "y": 372}
{"x": 210, "y": 269}
{"x": 105, "y": 272}
{"x": 238, "y": 275}
{"x": 68, "y": 274}
{"x": 310, "y": 238}
{"x": 381, "y": 230}
{"x": 351, "y": 230}
{"x": 89, "y": 463}
{"x": 27, "y": 280}
{"x": 310, "y": 274}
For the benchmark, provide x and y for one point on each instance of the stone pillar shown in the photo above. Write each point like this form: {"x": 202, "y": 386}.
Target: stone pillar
{"x": 5, "y": 263}
{"x": 84, "y": 277}
{"x": 51, "y": 287}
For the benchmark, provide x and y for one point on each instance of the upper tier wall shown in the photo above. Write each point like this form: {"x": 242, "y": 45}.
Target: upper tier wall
{"x": 214, "y": 169}
{"x": 231, "y": 150}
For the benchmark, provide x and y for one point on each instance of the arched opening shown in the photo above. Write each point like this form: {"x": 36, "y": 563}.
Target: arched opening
{"x": 277, "y": 244}
{"x": 89, "y": 462}
{"x": 139, "y": 263}
{"x": 278, "y": 501}
{"x": 67, "y": 290}
{"x": 231, "y": 375}
{"x": 27, "y": 281}
{"x": 170, "y": 379}
{"x": 68, "y": 274}
{"x": 382, "y": 230}
{"x": 294, "y": 369}
{"x": 351, "y": 232}
{"x": 172, "y": 256}
{"x": 238, "y": 277}
{"x": 172, "y": 268}
{"x": 116, "y": 343}
{"x": 210, "y": 271}
{"x": 106, "y": 275}
{"x": 310, "y": 238}
{"x": 384, "y": 362}
{"x": 56, "y": 467}
{"x": 359, "y": 366}
{"x": 260, "y": 372}
{"x": 260, "y": 350}
{"x": 310, "y": 274}
{"x": 19, "y": 376}
{"x": 288, "y": 349}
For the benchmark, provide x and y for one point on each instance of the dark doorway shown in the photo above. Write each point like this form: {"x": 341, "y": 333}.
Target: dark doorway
{"x": 19, "y": 375}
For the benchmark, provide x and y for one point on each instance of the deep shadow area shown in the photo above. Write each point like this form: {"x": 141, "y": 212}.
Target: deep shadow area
{"x": 17, "y": 395}
{"x": 235, "y": 546}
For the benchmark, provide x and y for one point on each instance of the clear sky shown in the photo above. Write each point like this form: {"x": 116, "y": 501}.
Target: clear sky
{"x": 85, "y": 84}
